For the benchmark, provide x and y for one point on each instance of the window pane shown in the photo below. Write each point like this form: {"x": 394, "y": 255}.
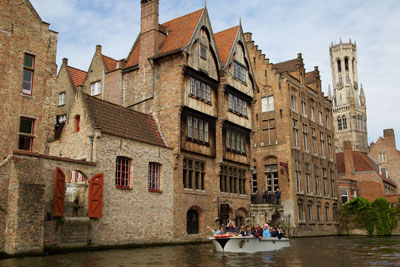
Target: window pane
{"x": 28, "y": 61}
{"x": 25, "y": 143}
{"x": 25, "y": 126}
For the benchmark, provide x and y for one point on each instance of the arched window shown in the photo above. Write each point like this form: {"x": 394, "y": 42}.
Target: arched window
{"x": 346, "y": 64}
{"x": 344, "y": 122}
{"x": 339, "y": 65}
{"x": 192, "y": 222}
{"x": 339, "y": 122}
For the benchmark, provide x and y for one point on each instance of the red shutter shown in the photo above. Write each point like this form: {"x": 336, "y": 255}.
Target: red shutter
{"x": 59, "y": 191}
{"x": 96, "y": 196}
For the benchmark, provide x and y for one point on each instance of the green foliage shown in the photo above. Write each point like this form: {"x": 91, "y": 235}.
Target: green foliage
{"x": 360, "y": 213}
{"x": 2, "y": 209}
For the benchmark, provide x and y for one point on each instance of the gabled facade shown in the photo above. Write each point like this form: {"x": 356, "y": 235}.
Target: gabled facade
{"x": 360, "y": 176}
{"x": 28, "y": 71}
{"x": 385, "y": 153}
{"x": 293, "y": 145}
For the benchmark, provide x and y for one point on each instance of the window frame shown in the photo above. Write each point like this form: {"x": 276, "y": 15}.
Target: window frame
{"x": 122, "y": 172}
{"x": 61, "y": 99}
{"x": 267, "y": 103}
{"x": 22, "y": 135}
{"x": 31, "y": 70}
{"x": 98, "y": 87}
{"x": 239, "y": 71}
{"x": 154, "y": 175}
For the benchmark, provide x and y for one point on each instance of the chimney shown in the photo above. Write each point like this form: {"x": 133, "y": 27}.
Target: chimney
{"x": 148, "y": 30}
{"x": 65, "y": 61}
{"x": 98, "y": 48}
{"x": 388, "y": 136}
{"x": 348, "y": 158}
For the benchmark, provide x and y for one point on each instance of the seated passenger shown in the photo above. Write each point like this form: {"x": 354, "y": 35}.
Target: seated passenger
{"x": 231, "y": 228}
{"x": 242, "y": 231}
{"x": 218, "y": 232}
{"x": 258, "y": 232}
{"x": 248, "y": 231}
{"x": 274, "y": 232}
{"x": 280, "y": 233}
{"x": 266, "y": 232}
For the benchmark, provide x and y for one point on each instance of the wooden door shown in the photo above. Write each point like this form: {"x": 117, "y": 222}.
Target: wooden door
{"x": 95, "y": 209}
{"x": 59, "y": 192}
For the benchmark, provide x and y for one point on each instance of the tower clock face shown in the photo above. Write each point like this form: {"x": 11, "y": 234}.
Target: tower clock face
{"x": 339, "y": 85}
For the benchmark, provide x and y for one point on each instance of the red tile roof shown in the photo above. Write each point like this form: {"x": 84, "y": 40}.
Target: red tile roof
{"x": 309, "y": 77}
{"x": 179, "y": 30}
{"x": 118, "y": 121}
{"x": 110, "y": 63}
{"x": 361, "y": 163}
{"x": 78, "y": 76}
{"x": 288, "y": 66}
{"x": 225, "y": 41}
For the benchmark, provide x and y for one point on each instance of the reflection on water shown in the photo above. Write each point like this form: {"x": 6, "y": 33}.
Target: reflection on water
{"x": 323, "y": 251}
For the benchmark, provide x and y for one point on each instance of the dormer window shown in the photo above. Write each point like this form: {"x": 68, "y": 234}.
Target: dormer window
{"x": 239, "y": 71}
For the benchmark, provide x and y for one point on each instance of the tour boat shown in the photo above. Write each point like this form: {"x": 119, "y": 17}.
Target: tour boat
{"x": 245, "y": 244}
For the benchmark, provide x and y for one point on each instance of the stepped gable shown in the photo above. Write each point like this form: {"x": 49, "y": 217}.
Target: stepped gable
{"x": 309, "y": 77}
{"x": 361, "y": 163}
{"x": 179, "y": 32}
{"x": 225, "y": 41}
{"x": 288, "y": 66}
{"x": 77, "y": 76}
{"x": 110, "y": 63}
{"x": 118, "y": 121}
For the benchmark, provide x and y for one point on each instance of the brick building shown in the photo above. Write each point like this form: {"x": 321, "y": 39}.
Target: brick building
{"x": 293, "y": 145}
{"x": 360, "y": 176}
{"x": 28, "y": 71}
{"x": 384, "y": 152}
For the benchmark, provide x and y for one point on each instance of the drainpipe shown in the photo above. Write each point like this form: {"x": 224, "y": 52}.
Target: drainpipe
{"x": 102, "y": 91}
{"x": 91, "y": 138}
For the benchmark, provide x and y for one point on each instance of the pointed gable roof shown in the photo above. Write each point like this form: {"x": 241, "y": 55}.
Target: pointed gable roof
{"x": 180, "y": 31}
{"x": 361, "y": 163}
{"x": 133, "y": 57}
{"x": 77, "y": 76}
{"x": 225, "y": 41}
{"x": 122, "y": 122}
{"x": 288, "y": 66}
{"x": 309, "y": 77}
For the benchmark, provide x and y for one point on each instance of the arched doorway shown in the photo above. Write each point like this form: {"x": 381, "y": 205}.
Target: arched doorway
{"x": 76, "y": 194}
{"x": 192, "y": 222}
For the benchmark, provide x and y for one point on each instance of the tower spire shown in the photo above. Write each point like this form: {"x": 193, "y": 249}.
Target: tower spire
{"x": 329, "y": 92}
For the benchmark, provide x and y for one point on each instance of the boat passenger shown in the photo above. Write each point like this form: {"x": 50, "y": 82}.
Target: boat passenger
{"x": 242, "y": 231}
{"x": 221, "y": 231}
{"x": 266, "y": 232}
{"x": 231, "y": 228}
{"x": 248, "y": 231}
{"x": 280, "y": 233}
{"x": 274, "y": 231}
{"x": 258, "y": 231}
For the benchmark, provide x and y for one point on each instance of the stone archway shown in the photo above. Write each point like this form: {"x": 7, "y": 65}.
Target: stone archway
{"x": 76, "y": 194}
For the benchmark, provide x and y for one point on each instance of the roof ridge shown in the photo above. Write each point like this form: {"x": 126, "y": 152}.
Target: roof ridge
{"x": 109, "y": 57}
{"x": 76, "y": 68}
{"x": 182, "y": 16}
{"x": 285, "y": 61}
{"x": 237, "y": 26}
{"x": 115, "y": 105}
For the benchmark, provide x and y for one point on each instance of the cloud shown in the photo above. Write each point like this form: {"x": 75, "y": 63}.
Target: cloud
{"x": 280, "y": 28}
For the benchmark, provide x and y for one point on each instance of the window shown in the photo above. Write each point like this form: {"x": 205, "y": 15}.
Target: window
{"x": 235, "y": 141}
{"x": 312, "y": 113}
{"x": 294, "y": 103}
{"x": 382, "y": 157}
{"x": 298, "y": 176}
{"x": 325, "y": 182}
{"x": 232, "y": 180}
{"x": 192, "y": 86}
{"x": 154, "y": 176}
{"x": 305, "y": 137}
{"x": 267, "y": 103}
{"x": 309, "y": 212}
{"x": 346, "y": 64}
{"x": 339, "y": 122}
{"x": 300, "y": 211}
{"x": 95, "y": 88}
{"x": 322, "y": 144}
{"x": 77, "y": 123}
{"x": 332, "y": 184}
{"x": 327, "y": 213}
{"x": 334, "y": 212}
{"x": 237, "y": 105}
{"x": 197, "y": 129}
{"x": 27, "y": 80}
{"x": 62, "y": 118}
{"x": 203, "y": 52}
{"x": 239, "y": 71}
{"x": 344, "y": 122}
{"x": 254, "y": 186}
{"x": 295, "y": 134}
{"x": 308, "y": 178}
{"x": 314, "y": 141}
{"x": 320, "y": 118}
{"x": 328, "y": 122}
{"x": 269, "y": 131}
{"x": 26, "y": 127}
{"x": 122, "y": 172}
{"x": 316, "y": 177}
{"x": 193, "y": 174}
{"x": 329, "y": 147}
{"x": 271, "y": 176}
{"x": 303, "y": 109}
{"x": 61, "y": 99}
{"x": 345, "y": 194}
{"x": 339, "y": 65}
{"x": 192, "y": 222}
{"x": 199, "y": 90}
{"x": 318, "y": 213}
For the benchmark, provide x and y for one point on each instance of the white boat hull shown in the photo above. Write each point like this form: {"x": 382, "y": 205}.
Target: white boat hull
{"x": 249, "y": 244}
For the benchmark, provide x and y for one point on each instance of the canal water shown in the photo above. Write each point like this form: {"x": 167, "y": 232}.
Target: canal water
{"x": 322, "y": 251}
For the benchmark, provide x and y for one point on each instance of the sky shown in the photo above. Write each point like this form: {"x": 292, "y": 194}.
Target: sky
{"x": 281, "y": 29}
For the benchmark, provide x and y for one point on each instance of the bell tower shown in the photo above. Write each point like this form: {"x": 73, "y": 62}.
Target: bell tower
{"x": 349, "y": 105}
